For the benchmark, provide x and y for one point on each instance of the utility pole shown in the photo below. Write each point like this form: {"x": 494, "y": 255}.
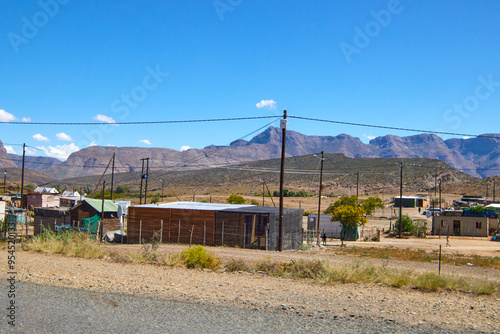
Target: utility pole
{"x": 357, "y": 185}
{"x": 435, "y": 182}
{"x": 400, "y": 198}
{"x": 4, "y": 181}
{"x": 102, "y": 210}
{"x": 144, "y": 176}
{"x": 22, "y": 184}
{"x": 319, "y": 200}
{"x": 493, "y": 190}
{"x": 263, "y": 191}
{"x": 439, "y": 195}
{"x": 112, "y": 175}
{"x": 162, "y": 189}
{"x": 282, "y": 180}
{"x": 146, "y": 187}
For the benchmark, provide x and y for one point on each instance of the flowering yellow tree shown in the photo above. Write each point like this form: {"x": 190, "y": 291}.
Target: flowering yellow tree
{"x": 349, "y": 216}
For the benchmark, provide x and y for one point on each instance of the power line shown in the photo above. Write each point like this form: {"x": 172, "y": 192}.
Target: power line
{"x": 395, "y": 128}
{"x": 144, "y": 122}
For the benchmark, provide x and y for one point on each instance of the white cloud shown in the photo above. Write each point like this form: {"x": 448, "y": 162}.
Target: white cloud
{"x": 31, "y": 151}
{"x": 465, "y": 137}
{"x": 63, "y": 136}
{"x": 39, "y": 137}
{"x": 368, "y": 136}
{"x": 269, "y": 104}
{"x": 9, "y": 149}
{"x": 145, "y": 141}
{"x": 106, "y": 119}
{"x": 6, "y": 117}
{"x": 26, "y": 119}
{"x": 92, "y": 144}
{"x": 60, "y": 151}
{"x": 185, "y": 148}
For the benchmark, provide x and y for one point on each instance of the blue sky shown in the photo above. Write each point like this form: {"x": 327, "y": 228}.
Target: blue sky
{"x": 429, "y": 65}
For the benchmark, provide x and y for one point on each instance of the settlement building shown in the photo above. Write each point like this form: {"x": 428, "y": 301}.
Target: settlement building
{"x": 456, "y": 223}
{"x": 246, "y": 226}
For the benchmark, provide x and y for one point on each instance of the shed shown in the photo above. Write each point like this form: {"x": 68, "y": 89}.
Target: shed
{"x": 91, "y": 207}
{"x": 246, "y": 226}
{"x": 408, "y": 202}
{"x": 49, "y": 218}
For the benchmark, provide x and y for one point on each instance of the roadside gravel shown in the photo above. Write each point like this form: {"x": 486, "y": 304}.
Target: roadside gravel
{"x": 51, "y": 309}
{"x": 374, "y": 308}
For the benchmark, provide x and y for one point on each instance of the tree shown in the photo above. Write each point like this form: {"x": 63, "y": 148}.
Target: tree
{"x": 349, "y": 216}
{"x": 371, "y": 203}
{"x": 343, "y": 200}
{"x": 254, "y": 202}
{"x": 235, "y": 199}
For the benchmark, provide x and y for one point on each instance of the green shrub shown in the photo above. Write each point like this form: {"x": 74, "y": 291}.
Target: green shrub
{"x": 199, "y": 257}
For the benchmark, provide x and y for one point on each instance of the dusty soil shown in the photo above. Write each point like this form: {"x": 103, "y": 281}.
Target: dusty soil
{"x": 449, "y": 310}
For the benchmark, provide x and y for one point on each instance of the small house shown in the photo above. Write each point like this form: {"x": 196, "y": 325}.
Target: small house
{"x": 246, "y": 226}
{"x": 89, "y": 208}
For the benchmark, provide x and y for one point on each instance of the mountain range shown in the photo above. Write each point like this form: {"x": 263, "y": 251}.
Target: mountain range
{"x": 479, "y": 156}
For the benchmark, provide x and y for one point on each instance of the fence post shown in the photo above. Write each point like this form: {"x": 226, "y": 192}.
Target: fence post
{"x": 140, "y": 231}
{"x": 244, "y": 234}
{"x": 179, "y": 233}
{"x": 191, "y": 236}
{"x": 204, "y": 233}
{"x": 161, "y": 232}
{"x": 439, "y": 270}
{"x": 222, "y": 233}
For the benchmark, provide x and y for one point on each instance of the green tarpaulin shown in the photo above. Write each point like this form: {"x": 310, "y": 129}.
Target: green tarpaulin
{"x": 90, "y": 224}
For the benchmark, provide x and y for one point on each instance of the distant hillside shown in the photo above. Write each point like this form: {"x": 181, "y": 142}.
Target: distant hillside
{"x": 36, "y": 163}
{"x": 475, "y": 156}
{"x": 376, "y": 176}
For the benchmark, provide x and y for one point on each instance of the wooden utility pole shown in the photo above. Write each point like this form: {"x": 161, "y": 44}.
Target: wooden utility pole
{"x": 4, "y": 181}
{"x": 263, "y": 190}
{"x": 144, "y": 176}
{"x": 357, "y": 185}
{"x": 439, "y": 196}
{"x": 22, "y": 183}
{"x": 493, "y": 190}
{"x": 112, "y": 175}
{"x": 99, "y": 230}
{"x": 319, "y": 200}
{"x": 282, "y": 180}
{"x": 400, "y": 198}
{"x": 162, "y": 189}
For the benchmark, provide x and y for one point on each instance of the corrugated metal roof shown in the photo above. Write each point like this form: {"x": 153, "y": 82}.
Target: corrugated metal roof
{"x": 109, "y": 206}
{"x": 196, "y": 206}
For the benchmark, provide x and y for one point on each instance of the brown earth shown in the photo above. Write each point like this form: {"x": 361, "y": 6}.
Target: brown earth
{"x": 449, "y": 310}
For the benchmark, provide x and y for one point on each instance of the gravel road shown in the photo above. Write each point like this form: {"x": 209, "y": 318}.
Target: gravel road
{"x": 50, "y": 309}
{"x": 58, "y": 294}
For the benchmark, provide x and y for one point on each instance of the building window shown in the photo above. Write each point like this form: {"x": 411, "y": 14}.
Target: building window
{"x": 442, "y": 223}
{"x": 478, "y": 225}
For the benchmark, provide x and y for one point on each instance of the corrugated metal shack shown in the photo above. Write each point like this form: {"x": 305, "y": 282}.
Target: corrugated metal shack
{"x": 49, "y": 218}
{"x": 246, "y": 226}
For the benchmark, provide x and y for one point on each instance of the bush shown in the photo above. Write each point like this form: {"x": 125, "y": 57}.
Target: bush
{"x": 237, "y": 265}
{"x": 199, "y": 257}
{"x": 235, "y": 199}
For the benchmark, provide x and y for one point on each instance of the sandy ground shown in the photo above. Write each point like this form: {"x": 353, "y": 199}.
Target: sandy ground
{"x": 449, "y": 310}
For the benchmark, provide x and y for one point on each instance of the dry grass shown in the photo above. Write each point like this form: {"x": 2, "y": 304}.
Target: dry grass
{"x": 419, "y": 255}
{"x": 69, "y": 243}
{"x": 360, "y": 272}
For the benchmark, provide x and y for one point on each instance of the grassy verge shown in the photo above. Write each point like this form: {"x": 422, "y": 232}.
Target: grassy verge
{"x": 70, "y": 243}
{"x": 419, "y": 255}
{"x": 77, "y": 244}
{"x": 359, "y": 272}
